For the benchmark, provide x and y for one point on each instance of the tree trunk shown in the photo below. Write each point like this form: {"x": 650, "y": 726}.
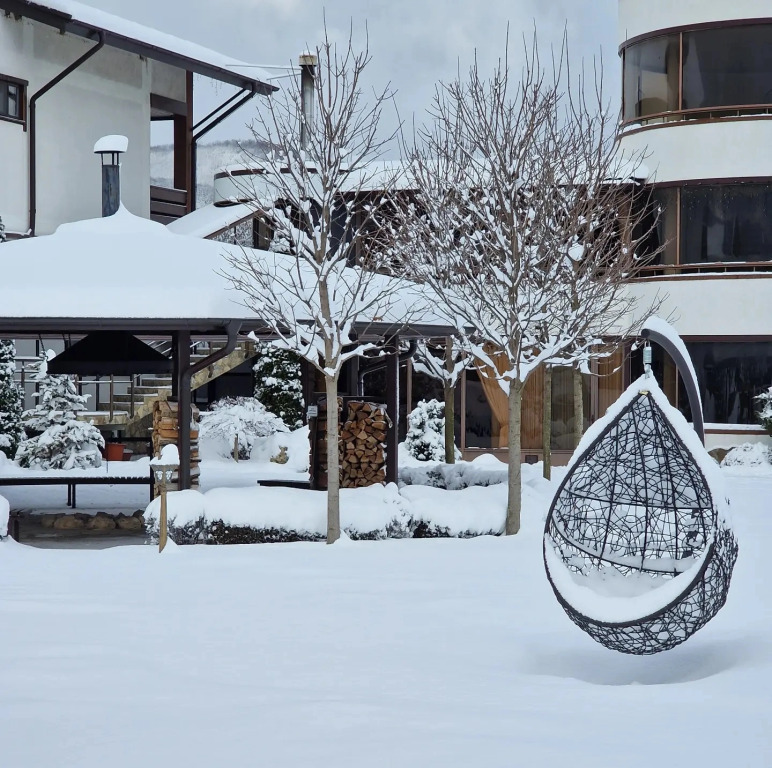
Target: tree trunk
{"x": 450, "y": 423}
{"x": 514, "y": 498}
{"x": 578, "y": 406}
{"x": 546, "y": 424}
{"x": 333, "y": 461}
{"x": 450, "y": 406}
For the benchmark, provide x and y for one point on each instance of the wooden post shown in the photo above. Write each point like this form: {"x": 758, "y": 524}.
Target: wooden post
{"x": 183, "y": 411}
{"x": 392, "y": 410}
{"x": 163, "y": 533}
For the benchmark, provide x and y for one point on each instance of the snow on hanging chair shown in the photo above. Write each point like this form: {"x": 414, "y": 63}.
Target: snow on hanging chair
{"x": 637, "y": 546}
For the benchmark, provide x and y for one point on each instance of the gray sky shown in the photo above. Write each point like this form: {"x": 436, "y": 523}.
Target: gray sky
{"x": 414, "y": 43}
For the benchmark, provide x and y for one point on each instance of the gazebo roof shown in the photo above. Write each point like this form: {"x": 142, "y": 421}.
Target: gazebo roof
{"x": 125, "y": 272}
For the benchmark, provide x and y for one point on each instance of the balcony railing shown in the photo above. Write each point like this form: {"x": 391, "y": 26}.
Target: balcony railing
{"x": 166, "y": 204}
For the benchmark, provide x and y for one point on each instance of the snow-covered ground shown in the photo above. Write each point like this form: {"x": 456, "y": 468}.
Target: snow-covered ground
{"x": 415, "y": 652}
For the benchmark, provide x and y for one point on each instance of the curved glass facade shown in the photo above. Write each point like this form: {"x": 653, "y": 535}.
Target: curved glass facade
{"x": 703, "y": 224}
{"x": 697, "y": 74}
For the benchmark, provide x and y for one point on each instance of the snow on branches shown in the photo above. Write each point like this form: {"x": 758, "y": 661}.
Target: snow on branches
{"x": 63, "y": 442}
{"x": 11, "y": 429}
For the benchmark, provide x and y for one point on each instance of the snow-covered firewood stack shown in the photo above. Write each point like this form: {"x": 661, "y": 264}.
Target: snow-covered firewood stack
{"x": 166, "y": 432}
{"x": 362, "y": 444}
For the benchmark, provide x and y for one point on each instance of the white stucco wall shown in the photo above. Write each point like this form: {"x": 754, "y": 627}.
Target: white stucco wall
{"x": 724, "y": 306}
{"x": 637, "y": 17}
{"x": 109, "y": 94}
{"x": 730, "y": 149}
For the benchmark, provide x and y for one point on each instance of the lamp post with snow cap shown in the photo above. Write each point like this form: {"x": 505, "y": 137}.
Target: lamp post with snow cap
{"x": 110, "y": 149}
{"x": 164, "y": 468}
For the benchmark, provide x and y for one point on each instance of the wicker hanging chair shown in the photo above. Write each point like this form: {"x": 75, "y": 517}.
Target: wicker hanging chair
{"x": 636, "y": 545}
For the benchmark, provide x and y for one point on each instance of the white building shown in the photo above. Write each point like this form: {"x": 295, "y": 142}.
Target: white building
{"x": 697, "y": 82}
{"x": 70, "y": 74}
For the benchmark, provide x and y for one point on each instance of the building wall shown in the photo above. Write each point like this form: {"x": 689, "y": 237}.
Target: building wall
{"x": 637, "y": 17}
{"x": 109, "y": 94}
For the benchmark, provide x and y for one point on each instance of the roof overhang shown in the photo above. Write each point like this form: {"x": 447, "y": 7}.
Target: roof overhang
{"x": 65, "y": 22}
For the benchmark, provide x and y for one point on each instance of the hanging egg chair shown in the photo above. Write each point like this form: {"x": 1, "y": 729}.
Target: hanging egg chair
{"x": 636, "y": 545}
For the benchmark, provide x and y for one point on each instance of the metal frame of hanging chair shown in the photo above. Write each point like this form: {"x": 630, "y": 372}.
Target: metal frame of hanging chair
{"x": 636, "y": 499}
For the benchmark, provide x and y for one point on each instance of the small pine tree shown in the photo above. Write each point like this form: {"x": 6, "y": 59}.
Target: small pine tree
{"x": 11, "y": 407}
{"x": 62, "y": 442}
{"x": 2, "y": 230}
{"x": 425, "y": 439}
{"x": 765, "y": 414}
{"x": 278, "y": 386}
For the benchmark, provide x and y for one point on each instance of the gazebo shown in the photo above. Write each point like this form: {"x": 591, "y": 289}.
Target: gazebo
{"x": 113, "y": 279}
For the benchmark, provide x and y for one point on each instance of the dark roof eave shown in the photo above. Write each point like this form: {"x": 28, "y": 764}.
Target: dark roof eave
{"x": 66, "y": 23}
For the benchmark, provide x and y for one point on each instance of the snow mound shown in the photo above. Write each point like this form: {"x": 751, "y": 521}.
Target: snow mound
{"x": 377, "y": 512}
{"x": 484, "y": 470}
{"x": 749, "y": 455}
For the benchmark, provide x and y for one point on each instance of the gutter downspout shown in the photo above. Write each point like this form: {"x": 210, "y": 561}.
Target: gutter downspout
{"x": 184, "y": 399}
{"x": 196, "y": 136}
{"x": 33, "y": 123}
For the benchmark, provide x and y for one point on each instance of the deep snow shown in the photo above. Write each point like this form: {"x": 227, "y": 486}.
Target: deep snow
{"x": 412, "y": 652}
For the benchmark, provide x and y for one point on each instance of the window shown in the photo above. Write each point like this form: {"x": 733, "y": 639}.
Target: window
{"x": 729, "y": 222}
{"x": 730, "y": 375}
{"x": 728, "y": 67}
{"x": 651, "y": 77}
{"x": 709, "y": 224}
{"x": 723, "y": 71}
{"x": 11, "y": 98}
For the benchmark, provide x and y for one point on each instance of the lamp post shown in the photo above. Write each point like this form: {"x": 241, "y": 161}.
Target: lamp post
{"x": 164, "y": 468}
{"x": 110, "y": 149}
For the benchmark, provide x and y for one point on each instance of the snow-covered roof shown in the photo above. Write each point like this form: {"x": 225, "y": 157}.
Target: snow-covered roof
{"x": 80, "y": 19}
{"x": 249, "y": 181}
{"x": 211, "y": 219}
{"x": 123, "y": 267}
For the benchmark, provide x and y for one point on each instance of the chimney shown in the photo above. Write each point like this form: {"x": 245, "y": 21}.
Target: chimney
{"x": 110, "y": 149}
{"x": 307, "y": 63}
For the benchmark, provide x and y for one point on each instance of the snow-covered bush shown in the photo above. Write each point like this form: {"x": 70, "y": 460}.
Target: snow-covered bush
{"x": 425, "y": 438}
{"x": 62, "y": 442}
{"x": 765, "y": 414}
{"x": 72, "y": 445}
{"x": 748, "y": 455}
{"x": 11, "y": 429}
{"x": 277, "y": 384}
{"x": 244, "y": 418}
{"x": 57, "y": 396}
{"x": 2, "y": 230}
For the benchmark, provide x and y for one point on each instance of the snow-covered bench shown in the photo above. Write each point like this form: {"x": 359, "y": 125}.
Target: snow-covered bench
{"x": 73, "y": 482}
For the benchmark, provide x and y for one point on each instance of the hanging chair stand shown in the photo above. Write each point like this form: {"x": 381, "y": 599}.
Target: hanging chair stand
{"x": 637, "y": 494}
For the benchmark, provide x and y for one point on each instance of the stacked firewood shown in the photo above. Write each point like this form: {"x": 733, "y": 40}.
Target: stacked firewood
{"x": 362, "y": 445}
{"x": 166, "y": 432}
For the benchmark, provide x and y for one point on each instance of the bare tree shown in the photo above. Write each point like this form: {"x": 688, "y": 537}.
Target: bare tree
{"x": 446, "y": 362}
{"x": 513, "y": 179}
{"x": 324, "y": 191}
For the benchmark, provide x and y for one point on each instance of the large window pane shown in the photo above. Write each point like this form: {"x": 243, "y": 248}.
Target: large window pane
{"x": 728, "y": 67}
{"x": 656, "y": 232}
{"x": 730, "y": 375}
{"x": 651, "y": 77}
{"x": 732, "y": 222}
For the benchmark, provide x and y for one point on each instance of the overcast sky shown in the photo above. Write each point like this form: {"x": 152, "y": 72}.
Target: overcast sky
{"x": 414, "y": 43}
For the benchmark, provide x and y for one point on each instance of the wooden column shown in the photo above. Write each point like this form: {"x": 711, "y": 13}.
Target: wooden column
{"x": 392, "y": 409}
{"x": 184, "y": 411}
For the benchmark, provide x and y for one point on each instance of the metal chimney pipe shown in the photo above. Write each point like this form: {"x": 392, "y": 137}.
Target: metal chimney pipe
{"x": 110, "y": 149}
{"x": 308, "y": 62}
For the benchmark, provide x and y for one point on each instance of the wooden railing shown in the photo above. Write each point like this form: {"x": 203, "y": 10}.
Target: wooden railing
{"x": 166, "y": 204}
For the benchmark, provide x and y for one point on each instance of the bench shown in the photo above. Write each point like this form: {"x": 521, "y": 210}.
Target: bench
{"x": 73, "y": 482}
{"x": 302, "y": 484}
